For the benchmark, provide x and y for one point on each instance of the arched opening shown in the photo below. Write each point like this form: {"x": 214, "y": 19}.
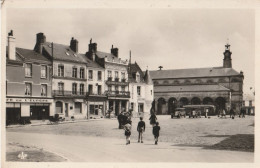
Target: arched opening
{"x": 161, "y": 108}
{"x": 220, "y": 104}
{"x": 195, "y": 101}
{"x": 172, "y": 104}
{"x": 59, "y": 107}
{"x": 183, "y": 101}
{"x": 208, "y": 101}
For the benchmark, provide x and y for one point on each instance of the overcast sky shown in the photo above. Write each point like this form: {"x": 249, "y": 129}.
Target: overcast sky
{"x": 172, "y": 38}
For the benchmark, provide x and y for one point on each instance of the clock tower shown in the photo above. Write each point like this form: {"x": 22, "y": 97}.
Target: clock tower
{"x": 227, "y": 61}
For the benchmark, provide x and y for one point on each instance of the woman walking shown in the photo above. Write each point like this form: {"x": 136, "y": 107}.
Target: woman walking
{"x": 127, "y": 129}
{"x": 153, "y": 119}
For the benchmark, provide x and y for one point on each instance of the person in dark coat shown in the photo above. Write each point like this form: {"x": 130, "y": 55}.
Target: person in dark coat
{"x": 156, "y": 130}
{"x": 127, "y": 128}
{"x": 140, "y": 129}
{"x": 232, "y": 113}
{"x": 153, "y": 119}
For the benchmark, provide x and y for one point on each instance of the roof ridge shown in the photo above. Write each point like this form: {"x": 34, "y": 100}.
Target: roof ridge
{"x": 189, "y": 69}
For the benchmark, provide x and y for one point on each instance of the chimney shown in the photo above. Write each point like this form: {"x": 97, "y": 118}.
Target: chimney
{"x": 40, "y": 39}
{"x": 114, "y": 51}
{"x": 11, "y": 46}
{"x": 92, "y": 46}
{"x": 74, "y": 44}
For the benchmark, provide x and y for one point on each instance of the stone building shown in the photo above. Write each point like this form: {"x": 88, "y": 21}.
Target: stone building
{"x": 28, "y": 84}
{"x": 141, "y": 89}
{"x": 116, "y": 77}
{"x": 219, "y": 86}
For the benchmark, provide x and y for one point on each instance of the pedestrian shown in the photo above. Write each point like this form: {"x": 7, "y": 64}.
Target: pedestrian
{"x": 127, "y": 128}
{"x": 242, "y": 112}
{"x": 141, "y": 129}
{"x": 153, "y": 119}
{"x": 224, "y": 112}
{"x": 156, "y": 130}
{"x": 206, "y": 113}
{"x": 232, "y": 113}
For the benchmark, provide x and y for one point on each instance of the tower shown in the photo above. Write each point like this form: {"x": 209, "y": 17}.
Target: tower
{"x": 227, "y": 61}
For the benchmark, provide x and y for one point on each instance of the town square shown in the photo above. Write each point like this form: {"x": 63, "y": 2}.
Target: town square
{"x": 151, "y": 86}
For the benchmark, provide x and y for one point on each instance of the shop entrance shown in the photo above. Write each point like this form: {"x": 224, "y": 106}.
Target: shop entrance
{"x": 39, "y": 112}
{"x": 13, "y": 115}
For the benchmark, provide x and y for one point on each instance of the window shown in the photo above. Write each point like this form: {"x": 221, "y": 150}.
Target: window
{"x": 43, "y": 90}
{"x": 61, "y": 86}
{"x": 28, "y": 89}
{"x": 61, "y": 70}
{"x": 43, "y": 71}
{"x": 74, "y": 88}
{"x": 82, "y": 73}
{"x": 123, "y": 88}
{"x": 109, "y": 88}
{"x": 151, "y": 92}
{"x": 99, "y": 89}
{"x": 90, "y": 89}
{"x": 109, "y": 73}
{"x": 122, "y": 75}
{"x": 116, "y": 88}
{"x": 90, "y": 74}
{"x": 137, "y": 78}
{"x": 74, "y": 72}
{"x": 81, "y": 89}
{"x": 138, "y": 90}
{"x": 116, "y": 74}
{"x": 28, "y": 70}
{"x": 99, "y": 75}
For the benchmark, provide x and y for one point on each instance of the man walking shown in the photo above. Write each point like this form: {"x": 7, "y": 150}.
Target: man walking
{"x": 156, "y": 130}
{"x": 140, "y": 129}
{"x": 127, "y": 129}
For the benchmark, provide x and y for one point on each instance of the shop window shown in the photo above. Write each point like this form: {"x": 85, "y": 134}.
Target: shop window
{"x": 43, "y": 71}
{"x": 82, "y": 73}
{"x": 99, "y": 75}
{"x": 43, "y": 90}
{"x": 74, "y": 72}
{"x": 28, "y": 89}
{"x": 61, "y": 70}
{"x": 28, "y": 70}
{"x": 77, "y": 107}
{"x": 90, "y": 74}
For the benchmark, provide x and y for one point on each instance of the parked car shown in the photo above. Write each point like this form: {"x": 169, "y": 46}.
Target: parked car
{"x": 179, "y": 112}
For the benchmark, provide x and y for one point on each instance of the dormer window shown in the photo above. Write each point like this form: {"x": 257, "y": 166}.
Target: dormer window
{"x": 137, "y": 78}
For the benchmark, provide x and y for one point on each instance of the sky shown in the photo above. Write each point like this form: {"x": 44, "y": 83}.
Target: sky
{"x": 172, "y": 38}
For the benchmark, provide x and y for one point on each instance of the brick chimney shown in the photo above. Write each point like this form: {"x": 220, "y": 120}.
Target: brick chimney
{"x": 40, "y": 39}
{"x": 74, "y": 44}
{"x": 11, "y": 46}
{"x": 114, "y": 51}
{"x": 92, "y": 46}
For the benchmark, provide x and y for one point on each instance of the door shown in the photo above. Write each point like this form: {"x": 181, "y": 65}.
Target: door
{"x": 66, "y": 109}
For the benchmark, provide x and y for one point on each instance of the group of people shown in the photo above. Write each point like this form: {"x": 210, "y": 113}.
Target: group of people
{"x": 141, "y": 129}
{"x": 223, "y": 112}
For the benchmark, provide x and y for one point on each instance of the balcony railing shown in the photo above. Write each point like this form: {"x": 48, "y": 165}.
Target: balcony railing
{"x": 124, "y": 94}
{"x": 116, "y": 81}
{"x": 96, "y": 94}
{"x": 65, "y": 93}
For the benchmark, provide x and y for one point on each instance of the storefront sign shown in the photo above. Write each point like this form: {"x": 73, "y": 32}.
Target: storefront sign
{"x": 28, "y": 100}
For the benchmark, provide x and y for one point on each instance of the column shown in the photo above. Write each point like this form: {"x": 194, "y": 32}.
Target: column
{"x": 114, "y": 107}
{"x": 119, "y": 106}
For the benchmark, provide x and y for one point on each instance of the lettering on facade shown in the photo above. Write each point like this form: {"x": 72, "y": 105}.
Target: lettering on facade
{"x": 25, "y": 100}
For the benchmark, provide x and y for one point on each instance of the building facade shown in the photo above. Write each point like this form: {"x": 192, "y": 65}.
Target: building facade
{"x": 115, "y": 77}
{"x": 28, "y": 84}
{"x": 219, "y": 86}
{"x": 141, "y": 90}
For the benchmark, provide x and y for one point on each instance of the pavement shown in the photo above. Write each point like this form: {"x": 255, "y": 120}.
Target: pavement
{"x": 106, "y": 149}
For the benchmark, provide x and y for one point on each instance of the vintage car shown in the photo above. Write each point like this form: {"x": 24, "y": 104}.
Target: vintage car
{"x": 179, "y": 112}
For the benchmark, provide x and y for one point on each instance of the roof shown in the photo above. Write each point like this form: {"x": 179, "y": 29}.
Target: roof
{"x": 193, "y": 72}
{"x": 91, "y": 63}
{"x": 147, "y": 78}
{"x": 31, "y": 55}
{"x": 110, "y": 57}
{"x": 190, "y": 88}
{"x": 134, "y": 68}
{"x": 64, "y": 52}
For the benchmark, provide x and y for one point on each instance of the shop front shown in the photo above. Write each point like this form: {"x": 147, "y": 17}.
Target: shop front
{"x": 96, "y": 106}
{"x": 31, "y": 108}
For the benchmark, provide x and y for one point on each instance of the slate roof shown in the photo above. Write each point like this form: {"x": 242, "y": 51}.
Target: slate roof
{"x": 108, "y": 55}
{"x": 134, "y": 68}
{"x": 193, "y": 72}
{"x": 64, "y": 52}
{"x": 190, "y": 88}
{"x": 91, "y": 63}
{"x": 31, "y": 55}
